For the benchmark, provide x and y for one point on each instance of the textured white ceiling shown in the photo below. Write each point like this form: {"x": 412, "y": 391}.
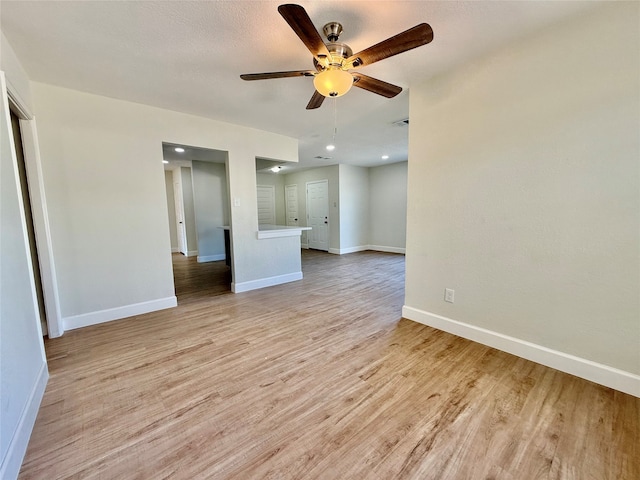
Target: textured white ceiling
{"x": 187, "y": 56}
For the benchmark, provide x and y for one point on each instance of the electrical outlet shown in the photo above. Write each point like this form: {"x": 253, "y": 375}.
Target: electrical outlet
{"x": 448, "y": 295}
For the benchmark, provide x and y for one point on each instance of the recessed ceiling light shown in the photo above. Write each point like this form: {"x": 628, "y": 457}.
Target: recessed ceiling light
{"x": 331, "y": 147}
{"x": 385, "y": 157}
{"x": 179, "y": 149}
{"x": 165, "y": 161}
{"x": 275, "y": 169}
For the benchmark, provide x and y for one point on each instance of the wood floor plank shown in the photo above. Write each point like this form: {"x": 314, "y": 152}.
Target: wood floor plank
{"x": 317, "y": 379}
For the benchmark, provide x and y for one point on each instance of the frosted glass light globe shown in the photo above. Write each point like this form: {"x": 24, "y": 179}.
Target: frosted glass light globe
{"x": 333, "y": 82}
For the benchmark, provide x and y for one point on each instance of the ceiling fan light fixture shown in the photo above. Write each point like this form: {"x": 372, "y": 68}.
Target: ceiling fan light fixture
{"x": 333, "y": 82}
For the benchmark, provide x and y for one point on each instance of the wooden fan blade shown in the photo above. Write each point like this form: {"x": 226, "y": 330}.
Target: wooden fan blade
{"x": 265, "y": 76}
{"x": 299, "y": 21}
{"x": 316, "y": 100}
{"x": 374, "y": 85}
{"x": 414, "y": 37}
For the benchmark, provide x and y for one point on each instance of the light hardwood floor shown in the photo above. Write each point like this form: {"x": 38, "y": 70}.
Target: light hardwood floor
{"x": 317, "y": 379}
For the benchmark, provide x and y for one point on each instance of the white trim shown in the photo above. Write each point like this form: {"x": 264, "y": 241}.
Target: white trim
{"x": 381, "y": 248}
{"x": 363, "y": 248}
{"x": 211, "y": 258}
{"x": 191, "y": 253}
{"x": 42, "y": 227}
{"x": 102, "y": 316}
{"x": 595, "y": 372}
{"x": 18, "y": 103}
{"x": 35, "y": 181}
{"x": 305, "y": 246}
{"x": 342, "y": 251}
{"x": 265, "y": 282}
{"x": 175, "y": 250}
{"x": 360, "y": 248}
{"x": 12, "y": 461}
{"x": 277, "y": 231}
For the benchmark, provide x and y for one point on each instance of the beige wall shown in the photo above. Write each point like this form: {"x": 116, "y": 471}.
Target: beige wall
{"x": 388, "y": 206}
{"x": 211, "y": 203}
{"x": 524, "y": 191}
{"x": 354, "y": 207}
{"x": 110, "y": 232}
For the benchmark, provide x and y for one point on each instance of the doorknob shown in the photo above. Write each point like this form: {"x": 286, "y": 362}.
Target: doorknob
{"x": 295, "y": 219}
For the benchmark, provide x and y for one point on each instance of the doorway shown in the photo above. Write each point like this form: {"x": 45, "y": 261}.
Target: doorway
{"x": 318, "y": 214}
{"x": 198, "y": 207}
{"x": 28, "y": 215}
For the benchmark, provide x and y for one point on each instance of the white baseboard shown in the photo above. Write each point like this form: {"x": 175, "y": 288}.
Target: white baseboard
{"x": 265, "y": 282}
{"x": 381, "y": 248}
{"x": 362, "y": 248}
{"x": 175, "y": 250}
{"x": 101, "y": 316}
{"x": 342, "y": 251}
{"x": 305, "y": 246}
{"x": 12, "y": 461}
{"x": 595, "y": 372}
{"x": 191, "y": 253}
{"x": 211, "y": 258}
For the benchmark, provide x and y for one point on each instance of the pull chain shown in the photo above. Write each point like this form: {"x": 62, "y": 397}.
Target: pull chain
{"x": 335, "y": 121}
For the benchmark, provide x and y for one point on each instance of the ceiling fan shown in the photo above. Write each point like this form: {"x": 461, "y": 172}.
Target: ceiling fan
{"x": 334, "y": 61}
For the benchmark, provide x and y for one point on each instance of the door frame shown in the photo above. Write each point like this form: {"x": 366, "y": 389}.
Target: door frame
{"x": 178, "y": 205}
{"x": 35, "y": 180}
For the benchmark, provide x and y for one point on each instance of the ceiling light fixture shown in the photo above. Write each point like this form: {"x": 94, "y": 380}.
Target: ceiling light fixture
{"x": 385, "y": 157}
{"x": 275, "y": 169}
{"x": 331, "y": 148}
{"x": 179, "y": 149}
{"x": 165, "y": 161}
{"x": 333, "y": 82}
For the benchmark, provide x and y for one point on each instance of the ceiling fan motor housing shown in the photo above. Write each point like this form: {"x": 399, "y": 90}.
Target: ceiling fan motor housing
{"x": 332, "y": 31}
{"x": 339, "y": 52}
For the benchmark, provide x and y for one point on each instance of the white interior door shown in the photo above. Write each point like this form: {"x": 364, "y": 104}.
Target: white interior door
{"x": 181, "y": 231}
{"x": 291, "y": 204}
{"x": 266, "y": 204}
{"x": 318, "y": 214}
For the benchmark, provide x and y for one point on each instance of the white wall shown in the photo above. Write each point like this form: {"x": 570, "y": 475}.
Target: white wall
{"x": 324, "y": 173}
{"x": 524, "y": 197}
{"x": 110, "y": 232}
{"x": 388, "y": 207}
{"x": 277, "y": 180}
{"x": 23, "y": 367}
{"x": 171, "y": 209}
{"x": 211, "y": 202}
{"x": 354, "y": 208}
